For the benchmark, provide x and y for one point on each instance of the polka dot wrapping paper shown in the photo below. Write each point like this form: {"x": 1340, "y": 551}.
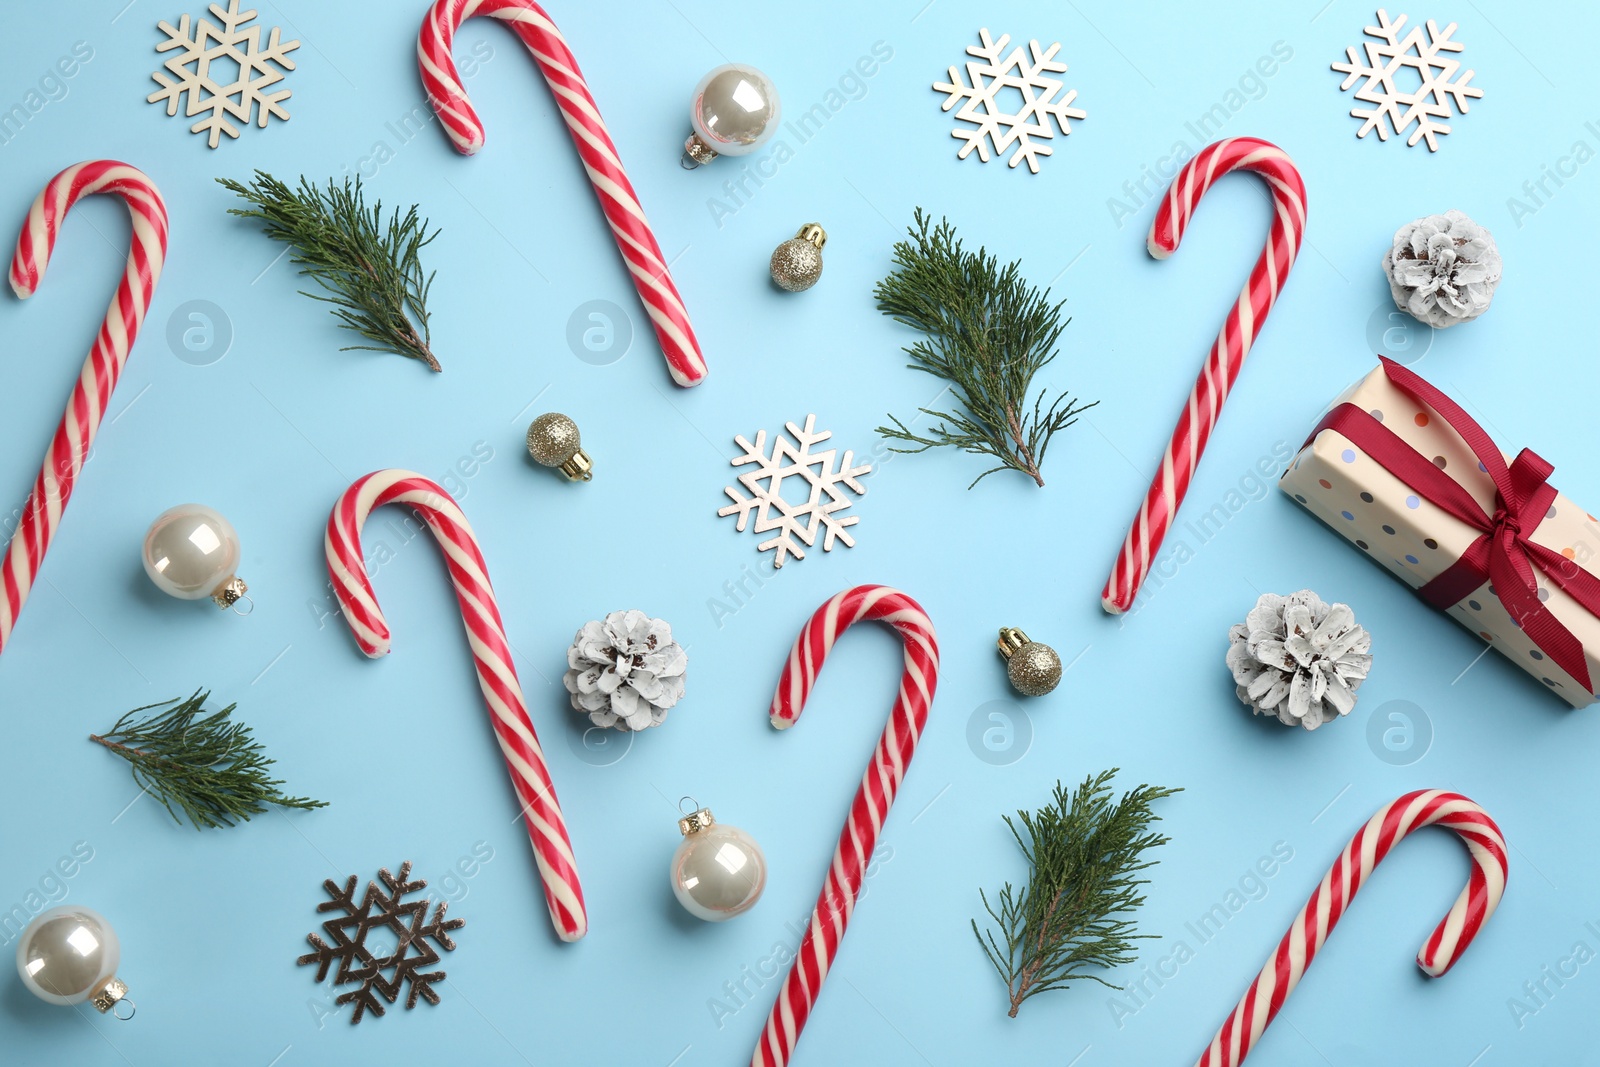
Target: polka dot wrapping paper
{"x": 1416, "y": 540}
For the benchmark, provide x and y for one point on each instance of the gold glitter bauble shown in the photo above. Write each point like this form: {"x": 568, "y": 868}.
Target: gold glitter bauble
{"x": 1034, "y": 668}
{"x": 797, "y": 263}
{"x": 553, "y": 441}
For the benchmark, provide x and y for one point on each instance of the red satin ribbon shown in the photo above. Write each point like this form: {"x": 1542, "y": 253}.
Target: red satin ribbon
{"x": 1503, "y": 555}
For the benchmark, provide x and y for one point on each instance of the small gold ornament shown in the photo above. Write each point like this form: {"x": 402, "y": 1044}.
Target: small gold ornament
{"x": 1034, "y": 669}
{"x": 797, "y": 263}
{"x": 553, "y": 441}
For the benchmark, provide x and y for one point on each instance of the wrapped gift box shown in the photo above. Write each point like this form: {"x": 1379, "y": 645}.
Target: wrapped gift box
{"x": 1363, "y": 472}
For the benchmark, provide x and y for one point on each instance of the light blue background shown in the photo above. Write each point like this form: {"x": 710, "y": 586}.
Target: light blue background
{"x": 211, "y": 922}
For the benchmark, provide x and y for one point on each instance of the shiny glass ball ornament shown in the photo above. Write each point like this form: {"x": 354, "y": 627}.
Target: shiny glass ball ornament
{"x": 797, "y": 263}
{"x": 718, "y": 871}
{"x": 1033, "y": 668}
{"x": 68, "y": 955}
{"x": 191, "y": 552}
{"x": 554, "y": 441}
{"x": 734, "y": 110}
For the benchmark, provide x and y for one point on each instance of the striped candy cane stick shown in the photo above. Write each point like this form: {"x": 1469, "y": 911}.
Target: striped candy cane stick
{"x": 502, "y": 692}
{"x": 559, "y": 66}
{"x": 1425, "y": 807}
{"x": 871, "y": 805}
{"x": 1233, "y": 342}
{"x": 41, "y": 515}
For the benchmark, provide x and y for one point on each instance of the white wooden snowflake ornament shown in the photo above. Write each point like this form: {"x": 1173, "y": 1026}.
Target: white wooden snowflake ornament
{"x": 1407, "y": 80}
{"x": 204, "y": 70}
{"x": 1020, "y": 76}
{"x": 795, "y": 523}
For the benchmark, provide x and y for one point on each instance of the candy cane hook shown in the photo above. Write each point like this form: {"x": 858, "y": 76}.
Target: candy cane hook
{"x": 1238, "y": 333}
{"x": 1425, "y": 807}
{"x": 620, "y": 203}
{"x": 63, "y": 461}
{"x": 872, "y": 801}
{"x": 491, "y": 653}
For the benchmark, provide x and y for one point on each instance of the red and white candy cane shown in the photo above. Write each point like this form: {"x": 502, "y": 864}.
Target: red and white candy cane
{"x": 1425, "y": 807}
{"x": 871, "y": 805}
{"x": 491, "y": 652}
{"x": 41, "y": 515}
{"x": 620, "y": 203}
{"x": 1233, "y": 341}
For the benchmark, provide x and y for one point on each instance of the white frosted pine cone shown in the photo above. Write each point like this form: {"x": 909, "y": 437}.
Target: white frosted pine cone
{"x": 1299, "y": 659}
{"x": 1443, "y": 269}
{"x": 625, "y": 671}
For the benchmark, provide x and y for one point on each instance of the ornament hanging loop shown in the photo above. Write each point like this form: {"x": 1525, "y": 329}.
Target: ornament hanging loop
{"x": 695, "y": 818}
{"x": 230, "y": 593}
{"x": 1011, "y": 639}
{"x": 112, "y": 995}
{"x": 695, "y": 822}
{"x": 116, "y": 1009}
{"x": 696, "y": 153}
{"x": 249, "y": 606}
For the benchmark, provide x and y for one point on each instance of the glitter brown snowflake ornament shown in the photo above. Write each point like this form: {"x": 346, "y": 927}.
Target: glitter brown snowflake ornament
{"x": 379, "y": 970}
{"x": 1299, "y": 659}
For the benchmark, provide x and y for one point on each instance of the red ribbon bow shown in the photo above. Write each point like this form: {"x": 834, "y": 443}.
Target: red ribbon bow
{"x": 1504, "y": 554}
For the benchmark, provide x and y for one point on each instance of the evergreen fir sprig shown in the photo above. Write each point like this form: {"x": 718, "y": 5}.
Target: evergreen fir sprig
{"x": 208, "y": 767}
{"x": 988, "y": 332}
{"x": 371, "y": 271}
{"x": 1083, "y": 851}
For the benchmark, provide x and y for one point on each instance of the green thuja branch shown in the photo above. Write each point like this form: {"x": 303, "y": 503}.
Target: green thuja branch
{"x": 988, "y": 332}
{"x": 1083, "y": 851}
{"x": 206, "y": 766}
{"x": 370, "y": 270}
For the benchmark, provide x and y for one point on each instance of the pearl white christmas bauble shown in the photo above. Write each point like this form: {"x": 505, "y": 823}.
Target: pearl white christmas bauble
{"x": 735, "y": 110}
{"x": 718, "y": 871}
{"x": 70, "y": 954}
{"x": 191, "y": 552}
